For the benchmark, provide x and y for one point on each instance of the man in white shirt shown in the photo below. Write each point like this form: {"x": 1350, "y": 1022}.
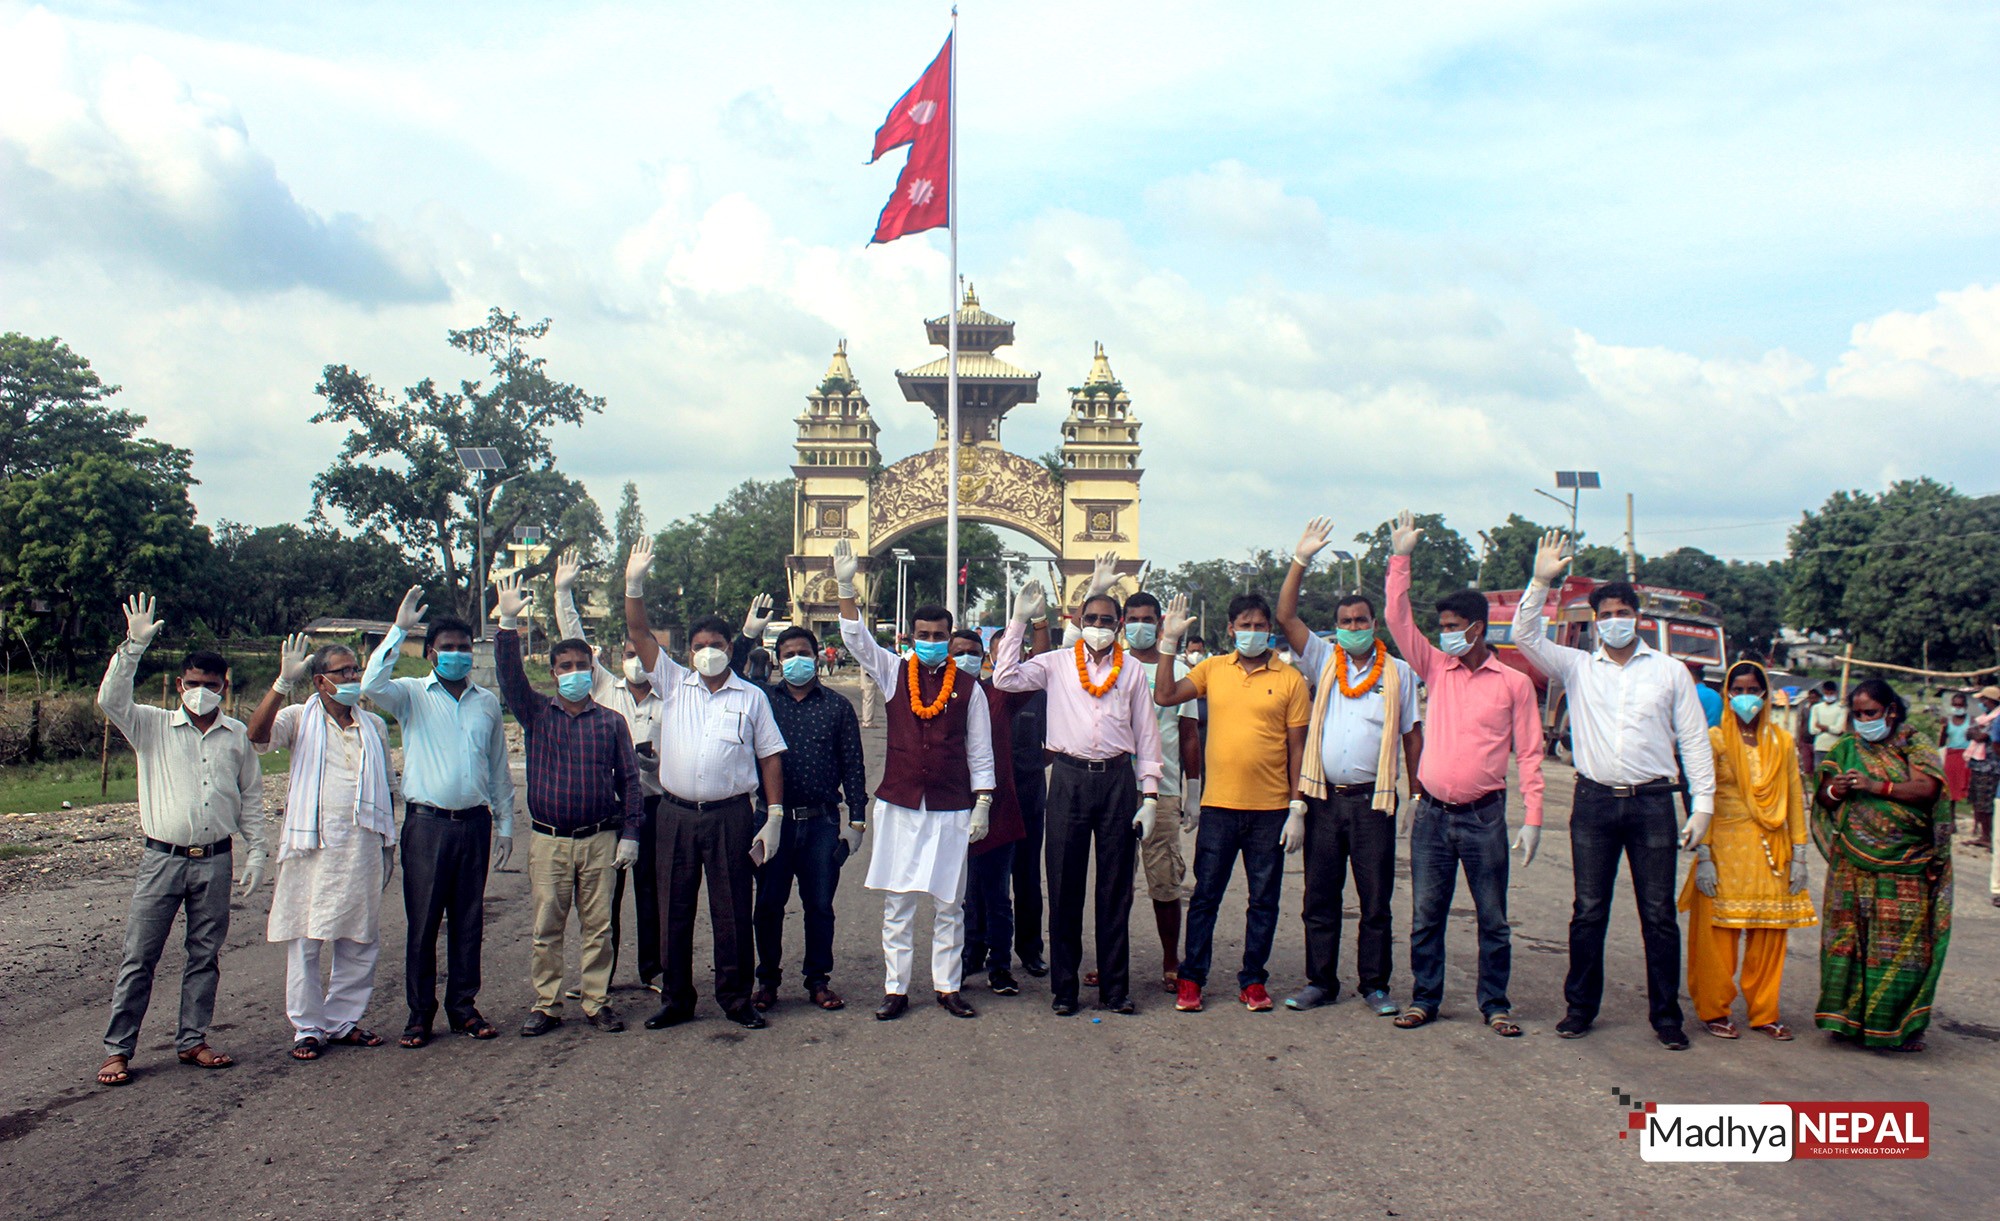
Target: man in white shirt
{"x": 1351, "y": 820}
{"x": 201, "y": 796}
{"x": 1630, "y": 706}
{"x": 716, "y": 741}
{"x": 337, "y": 850}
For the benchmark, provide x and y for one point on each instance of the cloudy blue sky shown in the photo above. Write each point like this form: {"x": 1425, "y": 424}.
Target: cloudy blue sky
{"x": 1346, "y": 257}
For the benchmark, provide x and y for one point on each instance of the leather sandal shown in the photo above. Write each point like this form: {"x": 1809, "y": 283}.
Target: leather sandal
{"x": 115, "y": 1071}
{"x": 203, "y": 1056}
{"x": 358, "y": 1037}
{"x": 1505, "y": 1026}
{"x": 415, "y": 1036}
{"x": 1723, "y": 1028}
{"x": 1413, "y": 1017}
{"x": 827, "y": 998}
{"x": 477, "y": 1027}
{"x": 307, "y": 1048}
{"x": 1776, "y": 1030}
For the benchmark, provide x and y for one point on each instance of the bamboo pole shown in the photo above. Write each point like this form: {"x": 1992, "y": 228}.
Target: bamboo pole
{"x": 1846, "y": 668}
{"x": 104, "y": 761}
{"x": 1863, "y": 663}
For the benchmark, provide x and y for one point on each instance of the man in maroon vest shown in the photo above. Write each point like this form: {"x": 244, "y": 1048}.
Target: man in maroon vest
{"x": 936, "y": 793}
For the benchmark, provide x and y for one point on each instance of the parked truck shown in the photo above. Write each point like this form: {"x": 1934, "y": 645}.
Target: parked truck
{"x": 1678, "y": 622}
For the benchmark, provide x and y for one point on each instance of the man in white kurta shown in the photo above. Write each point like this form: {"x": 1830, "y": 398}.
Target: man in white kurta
{"x": 336, "y": 853}
{"x": 934, "y": 798}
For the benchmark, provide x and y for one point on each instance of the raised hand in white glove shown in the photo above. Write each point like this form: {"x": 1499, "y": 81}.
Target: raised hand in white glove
{"x": 1697, "y": 828}
{"x": 141, "y": 625}
{"x": 1190, "y": 817}
{"x": 982, "y": 816}
{"x": 765, "y": 846}
{"x": 1031, "y": 603}
{"x": 1318, "y": 533}
{"x": 1705, "y": 877}
{"x": 513, "y": 600}
{"x": 503, "y": 851}
{"x": 1798, "y": 869}
{"x": 568, "y": 568}
{"x": 1149, "y": 812}
{"x": 1293, "y": 837}
{"x": 410, "y": 615}
{"x": 1529, "y": 841}
{"x": 1404, "y": 534}
{"x": 1174, "y": 624}
{"x": 845, "y": 567}
{"x": 628, "y": 854}
{"x": 294, "y": 663}
{"x": 850, "y": 834}
{"x": 1551, "y": 557}
{"x": 757, "y": 618}
{"x": 251, "y": 879}
{"x": 1103, "y": 574}
{"x": 636, "y": 566}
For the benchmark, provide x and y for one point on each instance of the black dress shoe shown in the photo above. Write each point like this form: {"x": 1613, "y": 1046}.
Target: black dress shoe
{"x": 1125, "y": 1006}
{"x": 747, "y": 1017}
{"x": 1063, "y": 1008}
{"x": 1034, "y": 966}
{"x": 1003, "y": 983}
{"x": 539, "y": 1024}
{"x": 1673, "y": 1038}
{"x": 894, "y": 1005}
{"x": 668, "y": 1015}
{"x": 955, "y": 1005}
{"x": 607, "y": 1020}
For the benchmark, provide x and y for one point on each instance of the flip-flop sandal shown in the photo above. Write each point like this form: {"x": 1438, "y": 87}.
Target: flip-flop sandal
{"x": 478, "y": 1028}
{"x": 306, "y": 1049}
{"x": 1171, "y": 981}
{"x": 204, "y": 1056}
{"x": 1777, "y": 1030}
{"x": 1413, "y": 1017}
{"x": 358, "y": 1037}
{"x": 122, "y": 1075}
{"x": 1723, "y": 1028}
{"x": 415, "y": 1036}
{"x": 1907, "y": 1045}
{"x": 1504, "y": 1026}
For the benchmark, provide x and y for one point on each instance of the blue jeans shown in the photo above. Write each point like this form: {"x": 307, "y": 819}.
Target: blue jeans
{"x": 1222, "y": 836}
{"x": 1440, "y": 842}
{"x": 811, "y": 851}
{"x": 989, "y": 910}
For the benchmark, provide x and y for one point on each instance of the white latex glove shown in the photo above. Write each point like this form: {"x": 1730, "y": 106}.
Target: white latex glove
{"x": 1149, "y": 811}
{"x": 567, "y": 570}
{"x": 252, "y": 878}
{"x": 1293, "y": 837}
{"x": 294, "y": 663}
{"x": 503, "y": 851}
{"x": 1705, "y": 879}
{"x": 1798, "y": 869}
{"x": 411, "y": 613}
{"x": 628, "y": 854}
{"x": 513, "y": 600}
{"x": 140, "y": 624}
{"x": 1318, "y": 533}
{"x": 758, "y": 617}
{"x": 1174, "y": 625}
{"x": 1190, "y": 818}
{"x": 1404, "y": 534}
{"x": 1103, "y": 574}
{"x": 1697, "y": 828}
{"x": 1550, "y": 559}
{"x": 1529, "y": 841}
{"x": 982, "y": 816}
{"x": 845, "y": 566}
{"x": 765, "y": 846}
{"x": 388, "y": 865}
{"x": 1405, "y": 815}
{"x": 1031, "y": 603}
{"x": 850, "y": 834}
{"x": 636, "y": 565}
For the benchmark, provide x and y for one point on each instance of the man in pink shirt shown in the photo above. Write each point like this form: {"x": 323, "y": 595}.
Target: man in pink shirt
{"x": 1103, "y": 735}
{"x": 1479, "y": 710}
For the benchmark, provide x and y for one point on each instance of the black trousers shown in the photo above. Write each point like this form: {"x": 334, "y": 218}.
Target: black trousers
{"x": 1086, "y": 806}
{"x": 645, "y": 900}
{"x": 1342, "y": 832}
{"x": 444, "y": 883}
{"x": 713, "y": 844}
{"x": 1642, "y": 830}
{"x": 1032, "y": 789}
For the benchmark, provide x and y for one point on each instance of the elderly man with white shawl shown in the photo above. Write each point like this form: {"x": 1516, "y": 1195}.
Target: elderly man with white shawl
{"x": 337, "y": 851}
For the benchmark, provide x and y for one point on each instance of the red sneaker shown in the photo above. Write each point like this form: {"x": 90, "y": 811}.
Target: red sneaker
{"x": 1187, "y": 998}
{"x": 1255, "y": 999}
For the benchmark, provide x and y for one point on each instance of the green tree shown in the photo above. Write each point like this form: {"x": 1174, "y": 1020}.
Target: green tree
{"x": 978, "y": 552}
{"x": 52, "y": 411}
{"x": 1442, "y": 564}
{"x": 1509, "y": 558}
{"x": 397, "y": 474}
{"x": 1827, "y": 549}
{"x": 275, "y": 579}
{"x": 627, "y": 528}
{"x": 1211, "y": 584}
{"x": 1746, "y": 596}
{"x": 714, "y": 562}
{"x": 1924, "y": 588}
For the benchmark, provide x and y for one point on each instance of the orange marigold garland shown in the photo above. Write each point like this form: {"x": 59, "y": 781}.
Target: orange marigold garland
{"x": 1110, "y": 681}
{"x": 926, "y": 711}
{"x": 1368, "y": 680}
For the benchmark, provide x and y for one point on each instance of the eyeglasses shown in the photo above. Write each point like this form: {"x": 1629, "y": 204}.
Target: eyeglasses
{"x": 343, "y": 672}
{"x": 1100, "y": 621}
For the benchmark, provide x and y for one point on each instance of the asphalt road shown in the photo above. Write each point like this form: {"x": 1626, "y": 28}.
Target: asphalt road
{"x": 1020, "y": 1113}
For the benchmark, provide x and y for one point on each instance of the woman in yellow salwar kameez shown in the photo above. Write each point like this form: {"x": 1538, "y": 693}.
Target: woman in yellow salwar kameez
{"x": 1749, "y": 881}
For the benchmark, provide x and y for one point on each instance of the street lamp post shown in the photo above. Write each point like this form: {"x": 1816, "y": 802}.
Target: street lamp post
{"x": 1577, "y": 482}
{"x": 478, "y": 460}
{"x": 1348, "y": 557}
{"x": 904, "y": 557}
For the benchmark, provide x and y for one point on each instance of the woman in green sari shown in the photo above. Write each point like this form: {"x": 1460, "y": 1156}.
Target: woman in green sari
{"x": 1886, "y": 915}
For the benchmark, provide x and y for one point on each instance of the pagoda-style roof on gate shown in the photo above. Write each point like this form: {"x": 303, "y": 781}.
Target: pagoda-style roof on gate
{"x": 985, "y": 381}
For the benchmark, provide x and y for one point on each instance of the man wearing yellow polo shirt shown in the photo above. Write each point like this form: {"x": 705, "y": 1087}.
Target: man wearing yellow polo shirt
{"x": 1250, "y": 804}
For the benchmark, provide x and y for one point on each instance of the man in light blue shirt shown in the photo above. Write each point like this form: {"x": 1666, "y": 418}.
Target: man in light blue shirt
{"x": 456, "y": 786}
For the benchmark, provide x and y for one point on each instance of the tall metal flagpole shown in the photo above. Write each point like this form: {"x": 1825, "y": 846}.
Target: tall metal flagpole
{"x": 952, "y": 587}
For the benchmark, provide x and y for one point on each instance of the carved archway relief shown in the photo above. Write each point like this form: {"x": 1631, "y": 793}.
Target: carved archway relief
{"x": 995, "y": 487}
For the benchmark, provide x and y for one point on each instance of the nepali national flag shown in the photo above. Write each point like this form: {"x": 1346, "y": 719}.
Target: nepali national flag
{"x": 922, "y": 120}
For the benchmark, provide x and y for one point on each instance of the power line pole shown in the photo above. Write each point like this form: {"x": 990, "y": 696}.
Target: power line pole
{"x": 1631, "y": 547}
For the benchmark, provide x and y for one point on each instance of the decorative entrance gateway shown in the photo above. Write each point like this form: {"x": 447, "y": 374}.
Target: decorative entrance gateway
{"x": 1091, "y": 506}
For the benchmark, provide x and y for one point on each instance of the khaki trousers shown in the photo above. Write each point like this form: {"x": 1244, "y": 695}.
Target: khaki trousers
{"x": 1160, "y": 854}
{"x": 559, "y": 868}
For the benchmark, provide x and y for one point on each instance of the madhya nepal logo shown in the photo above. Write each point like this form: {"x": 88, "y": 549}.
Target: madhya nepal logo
{"x": 1775, "y": 1131}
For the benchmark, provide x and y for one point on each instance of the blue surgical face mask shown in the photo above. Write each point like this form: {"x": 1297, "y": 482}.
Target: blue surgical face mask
{"x": 1872, "y": 731}
{"x": 799, "y": 670}
{"x": 1252, "y": 644}
{"x": 1356, "y": 640}
{"x": 931, "y": 652}
{"x": 575, "y": 685}
{"x": 1617, "y": 633}
{"x": 1454, "y": 644}
{"x": 1142, "y": 635}
{"x": 347, "y": 693}
{"x": 1747, "y": 707}
{"x": 968, "y": 662}
{"x": 452, "y": 666}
